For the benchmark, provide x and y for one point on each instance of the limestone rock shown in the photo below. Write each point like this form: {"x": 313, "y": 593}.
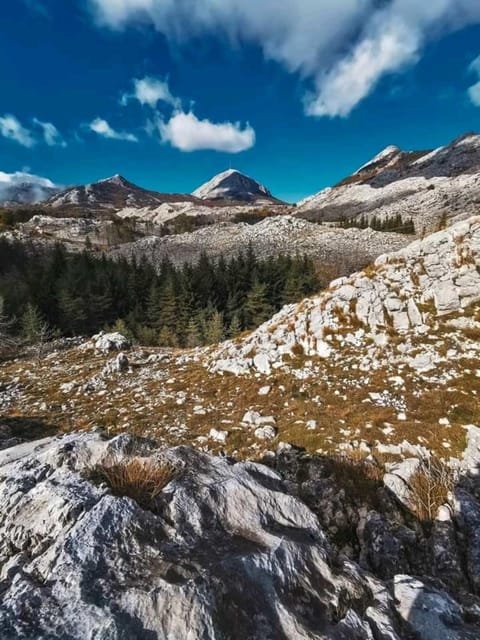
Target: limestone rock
{"x": 227, "y": 553}
{"x": 106, "y": 342}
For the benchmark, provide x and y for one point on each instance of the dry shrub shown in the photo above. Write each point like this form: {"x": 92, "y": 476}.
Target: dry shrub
{"x": 472, "y": 333}
{"x": 141, "y": 479}
{"x": 429, "y": 488}
{"x": 297, "y": 349}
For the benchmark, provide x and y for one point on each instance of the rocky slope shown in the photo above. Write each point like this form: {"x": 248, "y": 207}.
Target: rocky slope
{"x": 225, "y": 551}
{"x": 233, "y": 185}
{"x": 424, "y": 185}
{"x": 387, "y": 360}
{"x": 275, "y": 235}
{"x": 403, "y": 293}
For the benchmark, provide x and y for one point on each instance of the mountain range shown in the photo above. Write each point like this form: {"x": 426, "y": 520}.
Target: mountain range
{"x": 402, "y": 192}
{"x": 424, "y": 185}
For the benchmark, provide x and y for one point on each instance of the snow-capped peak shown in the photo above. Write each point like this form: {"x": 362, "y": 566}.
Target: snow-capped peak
{"x": 389, "y": 152}
{"x": 233, "y": 185}
{"x": 116, "y": 179}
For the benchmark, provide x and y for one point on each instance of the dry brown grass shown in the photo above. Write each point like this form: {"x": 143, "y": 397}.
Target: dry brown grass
{"x": 141, "y": 479}
{"x": 429, "y": 488}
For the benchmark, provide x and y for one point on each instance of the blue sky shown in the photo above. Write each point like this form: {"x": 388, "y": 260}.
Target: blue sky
{"x": 170, "y": 92}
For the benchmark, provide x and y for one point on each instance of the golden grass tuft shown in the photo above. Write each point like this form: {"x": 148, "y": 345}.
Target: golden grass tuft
{"x": 141, "y": 479}
{"x": 430, "y": 487}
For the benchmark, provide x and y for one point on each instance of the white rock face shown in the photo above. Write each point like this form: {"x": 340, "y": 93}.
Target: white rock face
{"x": 107, "y": 342}
{"x": 403, "y": 292}
{"x": 432, "y": 613}
{"x": 232, "y": 185}
{"x": 280, "y": 234}
{"x": 227, "y": 553}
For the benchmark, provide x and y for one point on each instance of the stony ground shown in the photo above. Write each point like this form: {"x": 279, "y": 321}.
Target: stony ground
{"x": 383, "y": 362}
{"x": 318, "y": 403}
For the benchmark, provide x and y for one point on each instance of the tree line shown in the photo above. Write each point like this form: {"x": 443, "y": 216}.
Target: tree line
{"x": 46, "y": 292}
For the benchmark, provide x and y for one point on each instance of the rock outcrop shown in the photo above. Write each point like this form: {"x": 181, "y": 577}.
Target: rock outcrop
{"x": 225, "y": 551}
{"x": 401, "y": 294}
{"x": 228, "y": 554}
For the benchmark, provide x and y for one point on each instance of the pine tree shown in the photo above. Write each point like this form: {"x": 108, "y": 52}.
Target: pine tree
{"x": 35, "y": 330}
{"x": 193, "y": 336}
{"x": 72, "y": 312}
{"x": 235, "y": 326}
{"x": 214, "y": 331}
{"x": 167, "y": 338}
{"x": 31, "y": 324}
{"x": 8, "y": 342}
{"x": 257, "y": 309}
{"x": 167, "y": 303}
{"x": 153, "y": 310}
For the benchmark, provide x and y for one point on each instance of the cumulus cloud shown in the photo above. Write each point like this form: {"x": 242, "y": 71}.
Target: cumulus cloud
{"x": 474, "y": 90}
{"x": 343, "y": 48}
{"x": 186, "y": 132}
{"x": 51, "y": 135}
{"x": 12, "y": 129}
{"x": 150, "y": 91}
{"x": 102, "y": 128}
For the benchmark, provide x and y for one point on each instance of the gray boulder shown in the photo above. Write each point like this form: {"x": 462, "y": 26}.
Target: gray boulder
{"x": 107, "y": 342}
{"x": 228, "y": 553}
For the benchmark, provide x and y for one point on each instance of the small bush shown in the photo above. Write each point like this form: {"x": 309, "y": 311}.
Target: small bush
{"x": 298, "y": 350}
{"x": 141, "y": 479}
{"x": 429, "y": 488}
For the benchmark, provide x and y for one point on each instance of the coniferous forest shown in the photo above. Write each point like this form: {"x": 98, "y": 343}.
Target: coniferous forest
{"x": 50, "y": 292}
{"x": 396, "y": 224}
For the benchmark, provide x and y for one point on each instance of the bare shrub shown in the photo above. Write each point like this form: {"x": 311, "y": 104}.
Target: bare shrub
{"x": 429, "y": 488}
{"x": 141, "y": 479}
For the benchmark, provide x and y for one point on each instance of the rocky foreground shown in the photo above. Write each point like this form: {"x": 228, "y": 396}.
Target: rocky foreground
{"x": 226, "y": 551}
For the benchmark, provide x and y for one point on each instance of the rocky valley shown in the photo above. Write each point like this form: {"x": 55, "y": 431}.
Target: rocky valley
{"x": 226, "y": 417}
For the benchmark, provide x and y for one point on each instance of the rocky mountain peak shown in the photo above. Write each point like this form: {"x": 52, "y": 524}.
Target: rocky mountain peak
{"x": 424, "y": 185}
{"x": 232, "y": 185}
{"x": 381, "y": 159}
{"x": 116, "y": 180}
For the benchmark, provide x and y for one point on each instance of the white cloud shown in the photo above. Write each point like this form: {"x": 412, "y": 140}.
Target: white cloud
{"x": 344, "y": 47}
{"x": 151, "y": 91}
{"x": 19, "y": 177}
{"x": 474, "y": 90}
{"x": 11, "y": 128}
{"x": 102, "y": 128}
{"x": 51, "y": 134}
{"x": 186, "y": 132}
{"x": 39, "y": 186}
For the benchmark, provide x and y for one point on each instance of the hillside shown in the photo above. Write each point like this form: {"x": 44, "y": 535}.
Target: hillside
{"x": 111, "y": 194}
{"x": 398, "y": 340}
{"x": 348, "y": 451}
{"x": 427, "y": 186}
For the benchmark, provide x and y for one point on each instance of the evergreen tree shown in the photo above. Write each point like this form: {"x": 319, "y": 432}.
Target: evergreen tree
{"x": 235, "y": 327}
{"x": 193, "y": 334}
{"x": 257, "y": 309}
{"x": 214, "y": 331}
{"x": 7, "y": 341}
{"x": 35, "y": 330}
{"x": 31, "y": 323}
{"x": 166, "y": 338}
